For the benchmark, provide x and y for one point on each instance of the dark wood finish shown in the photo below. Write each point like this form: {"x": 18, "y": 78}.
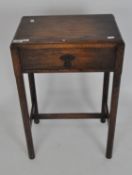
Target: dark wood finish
{"x": 114, "y": 99}
{"x": 84, "y": 59}
{"x": 33, "y": 95}
{"x": 32, "y": 113}
{"x": 74, "y": 43}
{"x": 23, "y": 102}
{"x": 105, "y": 96}
{"x": 69, "y": 116}
{"x": 67, "y": 29}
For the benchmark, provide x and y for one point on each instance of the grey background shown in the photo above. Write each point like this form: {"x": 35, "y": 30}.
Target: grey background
{"x": 64, "y": 146}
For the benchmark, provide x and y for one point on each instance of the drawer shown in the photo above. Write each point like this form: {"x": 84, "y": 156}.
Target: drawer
{"x": 86, "y": 59}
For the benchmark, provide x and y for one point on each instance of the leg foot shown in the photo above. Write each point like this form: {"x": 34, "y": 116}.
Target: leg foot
{"x": 108, "y": 156}
{"x": 36, "y": 121}
{"x": 103, "y": 120}
{"x": 32, "y": 156}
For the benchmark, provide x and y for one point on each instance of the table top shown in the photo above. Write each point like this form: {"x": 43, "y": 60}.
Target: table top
{"x": 67, "y": 29}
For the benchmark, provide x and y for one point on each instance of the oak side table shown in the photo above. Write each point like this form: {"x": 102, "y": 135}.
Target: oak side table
{"x": 69, "y": 43}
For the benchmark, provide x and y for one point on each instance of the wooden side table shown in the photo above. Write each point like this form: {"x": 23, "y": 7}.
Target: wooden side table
{"x": 77, "y": 43}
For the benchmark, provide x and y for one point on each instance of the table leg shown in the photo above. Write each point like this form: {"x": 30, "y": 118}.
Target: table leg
{"x": 33, "y": 94}
{"x": 25, "y": 115}
{"x": 23, "y": 101}
{"x": 113, "y": 113}
{"x": 114, "y": 98}
{"x": 105, "y": 95}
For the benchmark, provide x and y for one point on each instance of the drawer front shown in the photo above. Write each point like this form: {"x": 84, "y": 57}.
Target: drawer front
{"x": 86, "y": 59}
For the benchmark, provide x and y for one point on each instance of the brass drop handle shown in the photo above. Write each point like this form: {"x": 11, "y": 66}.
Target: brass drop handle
{"x": 67, "y": 58}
